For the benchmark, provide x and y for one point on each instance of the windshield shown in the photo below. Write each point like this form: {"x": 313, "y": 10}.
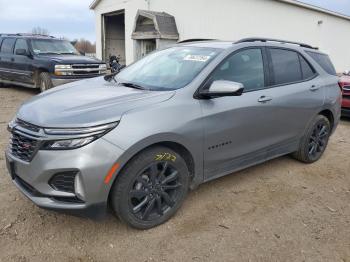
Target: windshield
{"x": 51, "y": 46}
{"x": 168, "y": 69}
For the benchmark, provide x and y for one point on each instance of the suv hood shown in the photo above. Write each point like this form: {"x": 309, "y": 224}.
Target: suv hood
{"x": 86, "y": 103}
{"x": 72, "y": 59}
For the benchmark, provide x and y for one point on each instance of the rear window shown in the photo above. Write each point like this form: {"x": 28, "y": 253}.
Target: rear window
{"x": 286, "y": 66}
{"x": 324, "y": 61}
{"x": 307, "y": 70}
{"x": 7, "y": 45}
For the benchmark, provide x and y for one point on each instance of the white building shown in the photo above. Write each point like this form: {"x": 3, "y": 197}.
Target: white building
{"x": 132, "y": 28}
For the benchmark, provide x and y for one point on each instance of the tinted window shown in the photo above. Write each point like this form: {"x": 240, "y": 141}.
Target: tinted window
{"x": 286, "y": 66}
{"x": 7, "y": 45}
{"x": 307, "y": 70}
{"x": 324, "y": 61}
{"x": 244, "y": 67}
{"x": 21, "y": 44}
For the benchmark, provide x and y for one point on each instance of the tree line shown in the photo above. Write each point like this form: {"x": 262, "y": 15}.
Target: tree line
{"x": 82, "y": 45}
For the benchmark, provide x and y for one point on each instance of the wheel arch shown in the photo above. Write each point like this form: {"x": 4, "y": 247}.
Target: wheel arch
{"x": 196, "y": 172}
{"x": 36, "y": 75}
{"x": 329, "y": 115}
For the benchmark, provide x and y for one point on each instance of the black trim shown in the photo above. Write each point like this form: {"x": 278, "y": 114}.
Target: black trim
{"x": 345, "y": 112}
{"x": 272, "y": 85}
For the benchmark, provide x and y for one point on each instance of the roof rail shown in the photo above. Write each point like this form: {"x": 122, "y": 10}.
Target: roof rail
{"x": 27, "y": 34}
{"x": 194, "y": 40}
{"x": 247, "y": 40}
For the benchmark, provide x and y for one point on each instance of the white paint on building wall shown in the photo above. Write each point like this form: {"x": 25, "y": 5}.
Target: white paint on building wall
{"x": 236, "y": 19}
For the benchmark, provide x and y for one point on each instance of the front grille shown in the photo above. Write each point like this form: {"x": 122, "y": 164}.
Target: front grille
{"x": 63, "y": 181}
{"x": 86, "y": 69}
{"x": 22, "y": 147}
{"x": 84, "y": 66}
{"x": 346, "y": 90}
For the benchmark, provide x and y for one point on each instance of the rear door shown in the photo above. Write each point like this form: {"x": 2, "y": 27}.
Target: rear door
{"x": 297, "y": 94}
{"x": 22, "y": 64}
{"x": 7, "y": 58}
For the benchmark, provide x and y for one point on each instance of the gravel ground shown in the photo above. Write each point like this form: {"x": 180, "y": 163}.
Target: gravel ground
{"x": 278, "y": 211}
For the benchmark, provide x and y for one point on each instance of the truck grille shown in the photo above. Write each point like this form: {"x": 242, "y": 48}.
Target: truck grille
{"x": 346, "y": 90}
{"x": 86, "y": 69}
{"x": 22, "y": 147}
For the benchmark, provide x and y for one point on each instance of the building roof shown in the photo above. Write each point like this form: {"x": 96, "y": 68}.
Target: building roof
{"x": 162, "y": 26}
{"x": 291, "y": 2}
{"x": 315, "y": 8}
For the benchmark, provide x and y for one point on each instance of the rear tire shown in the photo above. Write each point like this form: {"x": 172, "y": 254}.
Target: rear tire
{"x": 151, "y": 188}
{"x": 315, "y": 141}
{"x": 45, "y": 82}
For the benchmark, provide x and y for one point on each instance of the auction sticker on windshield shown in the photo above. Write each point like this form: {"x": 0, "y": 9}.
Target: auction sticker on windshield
{"x": 197, "y": 58}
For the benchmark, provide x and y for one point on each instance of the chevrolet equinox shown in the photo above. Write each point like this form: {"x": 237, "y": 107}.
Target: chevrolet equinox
{"x": 199, "y": 110}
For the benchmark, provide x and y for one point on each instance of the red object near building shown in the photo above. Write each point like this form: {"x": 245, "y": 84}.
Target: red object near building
{"x": 344, "y": 83}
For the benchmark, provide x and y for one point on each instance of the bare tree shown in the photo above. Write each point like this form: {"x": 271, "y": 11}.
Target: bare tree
{"x": 40, "y": 31}
{"x": 85, "y": 46}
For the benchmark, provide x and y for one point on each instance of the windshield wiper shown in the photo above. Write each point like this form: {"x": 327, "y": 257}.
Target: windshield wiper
{"x": 132, "y": 85}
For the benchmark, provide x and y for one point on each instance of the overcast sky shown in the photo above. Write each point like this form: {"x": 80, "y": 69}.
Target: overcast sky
{"x": 73, "y": 19}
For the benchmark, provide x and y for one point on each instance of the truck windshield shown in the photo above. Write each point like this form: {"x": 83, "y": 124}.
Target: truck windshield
{"x": 169, "y": 69}
{"x": 52, "y": 46}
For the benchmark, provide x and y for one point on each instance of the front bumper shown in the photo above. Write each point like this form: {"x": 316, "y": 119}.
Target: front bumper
{"x": 345, "y": 110}
{"x": 92, "y": 164}
{"x": 57, "y": 81}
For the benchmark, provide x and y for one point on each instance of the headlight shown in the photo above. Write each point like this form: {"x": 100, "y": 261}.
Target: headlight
{"x": 62, "y": 70}
{"x": 69, "y": 144}
{"x": 72, "y": 138}
{"x": 103, "y": 67}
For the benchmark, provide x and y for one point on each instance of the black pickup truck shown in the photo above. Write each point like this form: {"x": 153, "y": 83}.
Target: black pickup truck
{"x": 43, "y": 62}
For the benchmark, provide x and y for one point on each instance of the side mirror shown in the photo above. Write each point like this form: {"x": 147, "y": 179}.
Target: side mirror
{"x": 21, "y": 52}
{"x": 222, "y": 88}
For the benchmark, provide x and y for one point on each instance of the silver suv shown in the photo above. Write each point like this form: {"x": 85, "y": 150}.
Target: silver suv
{"x": 181, "y": 116}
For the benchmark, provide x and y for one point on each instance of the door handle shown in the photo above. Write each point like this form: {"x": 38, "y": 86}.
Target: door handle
{"x": 264, "y": 99}
{"x": 314, "y": 88}
{"x": 12, "y": 60}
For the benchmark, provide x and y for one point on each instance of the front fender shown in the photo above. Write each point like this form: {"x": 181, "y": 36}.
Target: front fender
{"x": 157, "y": 139}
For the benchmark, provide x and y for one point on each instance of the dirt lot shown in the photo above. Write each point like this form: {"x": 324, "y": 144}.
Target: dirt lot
{"x": 279, "y": 211}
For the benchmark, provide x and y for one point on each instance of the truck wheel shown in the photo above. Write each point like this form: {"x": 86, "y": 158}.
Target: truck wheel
{"x": 315, "y": 141}
{"x": 151, "y": 188}
{"x": 45, "y": 82}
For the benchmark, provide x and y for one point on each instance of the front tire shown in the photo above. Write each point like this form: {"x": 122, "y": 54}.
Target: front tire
{"x": 45, "y": 82}
{"x": 151, "y": 188}
{"x": 315, "y": 141}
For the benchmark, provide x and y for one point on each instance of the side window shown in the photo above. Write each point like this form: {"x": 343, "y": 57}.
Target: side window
{"x": 7, "y": 46}
{"x": 286, "y": 66}
{"x": 307, "y": 71}
{"x": 21, "y": 44}
{"x": 244, "y": 67}
{"x": 324, "y": 61}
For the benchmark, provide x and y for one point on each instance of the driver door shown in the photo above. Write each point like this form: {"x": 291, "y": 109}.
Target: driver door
{"x": 238, "y": 129}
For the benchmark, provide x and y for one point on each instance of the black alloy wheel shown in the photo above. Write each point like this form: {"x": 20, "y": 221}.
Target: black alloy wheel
{"x": 155, "y": 191}
{"x": 315, "y": 140}
{"x": 318, "y": 140}
{"x": 150, "y": 188}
